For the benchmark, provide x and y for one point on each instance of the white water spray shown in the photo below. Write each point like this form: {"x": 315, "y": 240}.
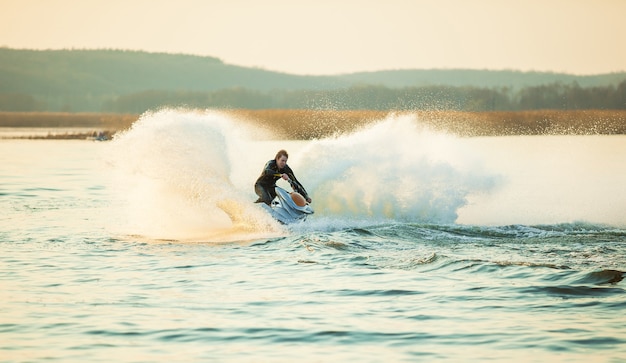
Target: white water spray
{"x": 394, "y": 170}
{"x": 173, "y": 177}
{"x": 189, "y": 175}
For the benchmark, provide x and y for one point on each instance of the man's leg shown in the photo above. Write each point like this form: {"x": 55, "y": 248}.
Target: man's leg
{"x": 264, "y": 195}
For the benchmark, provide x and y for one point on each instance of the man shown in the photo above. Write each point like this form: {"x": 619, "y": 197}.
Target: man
{"x": 274, "y": 170}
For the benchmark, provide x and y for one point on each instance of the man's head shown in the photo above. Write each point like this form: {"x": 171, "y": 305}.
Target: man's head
{"x": 281, "y": 158}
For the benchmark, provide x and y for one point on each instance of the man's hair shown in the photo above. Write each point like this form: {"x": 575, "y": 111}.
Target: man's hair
{"x": 281, "y": 153}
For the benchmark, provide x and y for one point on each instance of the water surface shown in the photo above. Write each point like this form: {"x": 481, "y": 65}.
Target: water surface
{"x": 429, "y": 248}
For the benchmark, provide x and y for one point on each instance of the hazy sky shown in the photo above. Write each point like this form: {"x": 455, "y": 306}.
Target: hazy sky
{"x": 337, "y": 36}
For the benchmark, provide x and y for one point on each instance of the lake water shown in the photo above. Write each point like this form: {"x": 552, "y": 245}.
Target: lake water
{"x": 423, "y": 247}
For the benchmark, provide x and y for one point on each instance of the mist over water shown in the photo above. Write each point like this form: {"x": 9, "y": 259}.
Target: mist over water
{"x": 189, "y": 175}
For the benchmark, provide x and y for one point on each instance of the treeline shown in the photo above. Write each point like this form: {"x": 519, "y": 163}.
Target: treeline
{"x": 131, "y": 81}
{"x": 556, "y": 96}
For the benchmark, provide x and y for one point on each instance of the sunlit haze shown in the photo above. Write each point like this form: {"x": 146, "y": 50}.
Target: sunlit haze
{"x": 330, "y": 37}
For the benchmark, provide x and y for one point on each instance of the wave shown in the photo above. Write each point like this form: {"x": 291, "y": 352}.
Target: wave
{"x": 575, "y": 256}
{"x": 602, "y": 277}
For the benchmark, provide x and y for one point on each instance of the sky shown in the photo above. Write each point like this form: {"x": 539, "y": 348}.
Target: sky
{"x": 325, "y": 37}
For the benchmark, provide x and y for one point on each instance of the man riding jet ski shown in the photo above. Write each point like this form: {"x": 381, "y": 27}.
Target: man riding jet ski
{"x": 284, "y": 206}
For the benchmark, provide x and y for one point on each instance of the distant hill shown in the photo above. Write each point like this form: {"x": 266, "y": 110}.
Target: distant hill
{"x": 92, "y": 80}
{"x": 122, "y": 72}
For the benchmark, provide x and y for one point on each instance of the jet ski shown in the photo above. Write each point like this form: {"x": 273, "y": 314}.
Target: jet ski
{"x": 288, "y": 207}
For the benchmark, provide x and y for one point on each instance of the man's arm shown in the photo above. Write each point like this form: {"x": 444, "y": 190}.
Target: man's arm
{"x": 295, "y": 184}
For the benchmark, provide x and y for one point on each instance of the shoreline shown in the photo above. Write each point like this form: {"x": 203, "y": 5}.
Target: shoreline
{"x": 311, "y": 124}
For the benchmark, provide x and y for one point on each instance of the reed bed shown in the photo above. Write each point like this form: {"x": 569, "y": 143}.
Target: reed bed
{"x": 311, "y": 124}
{"x": 108, "y": 121}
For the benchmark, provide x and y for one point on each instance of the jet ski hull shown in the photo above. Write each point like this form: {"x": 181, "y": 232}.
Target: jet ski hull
{"x": 285, "y": 210}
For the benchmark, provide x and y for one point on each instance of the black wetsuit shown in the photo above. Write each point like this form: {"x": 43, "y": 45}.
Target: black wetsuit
{"x": 265, "y": 184}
